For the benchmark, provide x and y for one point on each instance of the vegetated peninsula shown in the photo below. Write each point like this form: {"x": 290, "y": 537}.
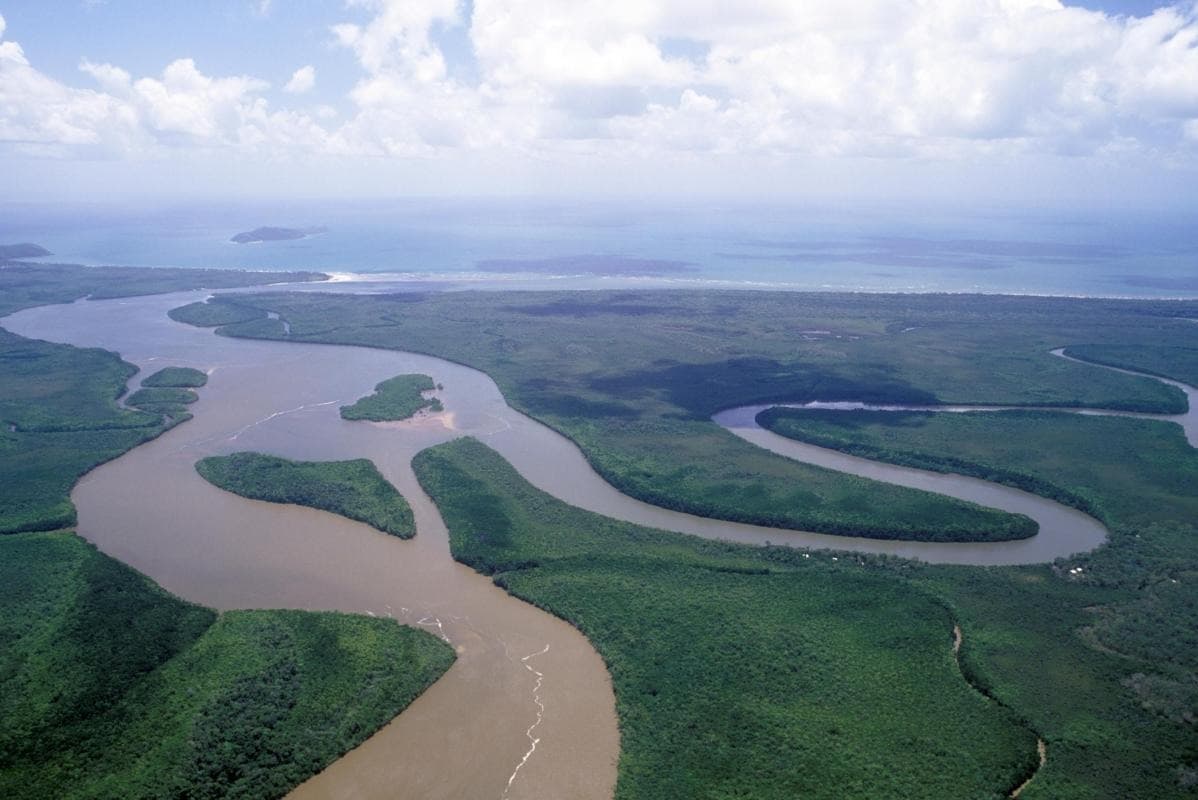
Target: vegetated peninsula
{"x": 111, "y": 687}
{"x": 24, "y": 284}
{"x": 353, "y": 489}
{"x": 394, "y": 399}
{"x": 22, "y": 250}
{"x": 275, "y": 234}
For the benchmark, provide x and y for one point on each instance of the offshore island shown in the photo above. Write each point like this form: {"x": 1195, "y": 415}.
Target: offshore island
{"x": 274, "y": 234}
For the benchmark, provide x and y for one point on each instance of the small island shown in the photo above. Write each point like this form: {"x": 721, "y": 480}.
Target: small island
{"x": 22, "y": 250}
{"x": 395, "y": 399}
{"x": 353, "y": 489}
{"x": 272, "y": 234}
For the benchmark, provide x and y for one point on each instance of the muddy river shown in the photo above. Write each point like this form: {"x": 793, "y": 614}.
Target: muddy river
{"x": 527, "y": 711}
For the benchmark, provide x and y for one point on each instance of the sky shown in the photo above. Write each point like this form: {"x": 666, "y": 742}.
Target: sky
{"x": 1010, "y": 102}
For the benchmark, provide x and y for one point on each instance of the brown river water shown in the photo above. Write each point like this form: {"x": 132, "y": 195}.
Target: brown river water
{"x": 527, "y": 711}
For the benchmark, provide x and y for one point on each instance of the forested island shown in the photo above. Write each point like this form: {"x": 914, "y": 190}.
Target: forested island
{"x": 275, "y": 234}
{"x": 22, "y": 250}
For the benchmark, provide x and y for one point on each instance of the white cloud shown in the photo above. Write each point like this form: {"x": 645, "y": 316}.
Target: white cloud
{"x": 302, "y": 80}
{"x": 881, "y": 78}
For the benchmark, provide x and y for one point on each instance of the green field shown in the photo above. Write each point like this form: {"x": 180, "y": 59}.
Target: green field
{"x": 354, "y": 489}
{"x": 394, "y": 399}
{"x": 112, "y": 688}
{"x": 740, "y": 672}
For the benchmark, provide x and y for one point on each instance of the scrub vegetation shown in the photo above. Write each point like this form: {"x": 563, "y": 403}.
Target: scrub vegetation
{"x": 354, "y": 489}
{"x": 740, "y": 672}
{"x": 394, "y": 399}
{"x": 112, "y": 688}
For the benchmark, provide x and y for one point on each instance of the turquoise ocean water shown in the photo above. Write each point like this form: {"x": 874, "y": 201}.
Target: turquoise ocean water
{"x": 540, "y": 243}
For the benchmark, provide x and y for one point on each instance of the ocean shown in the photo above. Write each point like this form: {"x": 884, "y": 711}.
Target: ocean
{"x": 554, "y": 243}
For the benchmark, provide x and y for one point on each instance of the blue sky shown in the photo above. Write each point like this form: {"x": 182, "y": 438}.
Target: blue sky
{"x": 1004, "y": 100}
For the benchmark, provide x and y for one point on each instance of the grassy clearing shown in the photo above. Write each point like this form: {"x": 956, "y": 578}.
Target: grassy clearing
{"x": 739, "y": 672}
{"x": 353, "y": 489}
{"x": 112, "y": 688}
{"x": 394, "y": 399}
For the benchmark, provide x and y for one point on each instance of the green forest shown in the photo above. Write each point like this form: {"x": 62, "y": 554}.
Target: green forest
{"x": 112, "y": 688}
{"x": 60, "y": 419}
{"x": 177, "y": 378}
{"x": 640, "y": 399}
{"x": 109, "y": 686}
{"x": 394, "y": 399}
{"x": 739, "y": 671}
{"x": 762, "y": 672}
{"x": 353, "y": 489}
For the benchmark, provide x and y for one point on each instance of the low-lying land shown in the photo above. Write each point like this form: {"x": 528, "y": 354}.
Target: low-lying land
{"x": 60, "y": 419}
{"x": 394, "y": 399}
{"x": 177, "y": 378}
{"x": 637, "y": 400}
{"x": 354, "y": 489}
{"x": 112, "y": 688}
{"x": 1111, "y": 634}
{"x": 1096, "y": 464}
{"x": 740, "y": 672}
{"x": 1169, "y": 361}
{"x": 24, "y": 285}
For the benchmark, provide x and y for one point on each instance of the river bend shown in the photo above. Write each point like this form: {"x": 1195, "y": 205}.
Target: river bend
{"x": 527, "y": 710}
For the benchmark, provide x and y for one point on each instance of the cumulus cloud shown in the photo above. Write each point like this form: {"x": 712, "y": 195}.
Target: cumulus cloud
{"x": 302, "y": 80}
{"x": 880, "y": 78}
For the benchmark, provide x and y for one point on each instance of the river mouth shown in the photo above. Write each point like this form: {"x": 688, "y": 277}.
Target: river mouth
{"x": 522, "y": 677}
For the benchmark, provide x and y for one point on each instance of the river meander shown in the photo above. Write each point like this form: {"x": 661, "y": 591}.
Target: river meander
{"x": 527, "y": 710}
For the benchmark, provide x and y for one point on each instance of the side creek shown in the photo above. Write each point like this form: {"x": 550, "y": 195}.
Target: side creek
{"x": 527, "y": 711}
